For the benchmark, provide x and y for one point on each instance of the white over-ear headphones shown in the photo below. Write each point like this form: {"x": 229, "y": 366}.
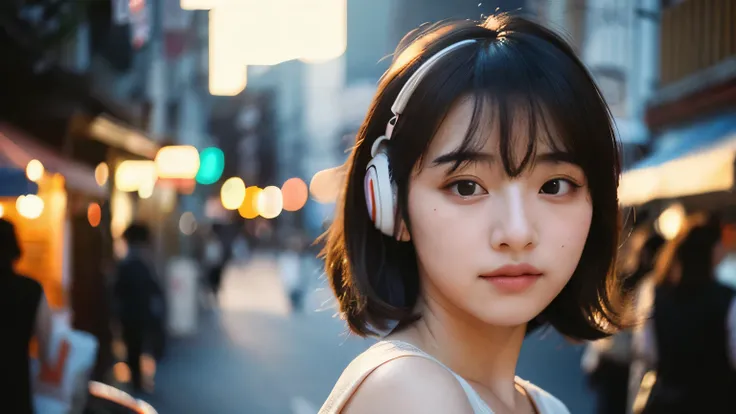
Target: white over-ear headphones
{"x": 380, "y": 189}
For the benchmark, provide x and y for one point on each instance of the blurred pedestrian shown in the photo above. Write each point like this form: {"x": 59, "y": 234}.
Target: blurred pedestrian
{"x": 214, "y": 261}
{"x": 139, "y": 300}
{"x": 691, "y": 339}
{"x": 611, "y": 362}
{"x": 25, "y": 313}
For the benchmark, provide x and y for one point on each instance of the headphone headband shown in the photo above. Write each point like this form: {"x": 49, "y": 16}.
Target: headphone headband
{"x": 379, "y": 188}
{"x": 403, "y": 98}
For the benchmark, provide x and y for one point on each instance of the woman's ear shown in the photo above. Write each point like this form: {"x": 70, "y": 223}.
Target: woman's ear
{"x": 403, "y": 235}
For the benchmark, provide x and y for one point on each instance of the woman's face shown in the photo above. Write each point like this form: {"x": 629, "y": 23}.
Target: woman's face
{"x": 495, "y": 248}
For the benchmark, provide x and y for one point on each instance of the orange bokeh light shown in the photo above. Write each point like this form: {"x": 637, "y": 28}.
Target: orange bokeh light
{"x": 249, "y": 208}
{"x": 94, "y": 214}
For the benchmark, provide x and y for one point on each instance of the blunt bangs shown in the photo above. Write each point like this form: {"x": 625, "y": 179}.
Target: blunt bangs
{"x": 516, "y": 70}
{"x": 516, "y": 75}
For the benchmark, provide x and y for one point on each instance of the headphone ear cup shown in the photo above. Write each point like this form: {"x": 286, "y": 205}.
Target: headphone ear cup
{"x": 380, "y": 194}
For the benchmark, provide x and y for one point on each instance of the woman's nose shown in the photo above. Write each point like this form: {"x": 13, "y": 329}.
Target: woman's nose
{"x": 513, "y": 227}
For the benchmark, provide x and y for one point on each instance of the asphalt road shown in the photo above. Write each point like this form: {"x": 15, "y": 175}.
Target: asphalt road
{"x": 254, "y": 355}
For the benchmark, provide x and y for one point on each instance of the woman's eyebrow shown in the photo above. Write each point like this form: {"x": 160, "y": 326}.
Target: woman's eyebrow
{"x": 555, "y": 157}
{"x": 463, "y": 156}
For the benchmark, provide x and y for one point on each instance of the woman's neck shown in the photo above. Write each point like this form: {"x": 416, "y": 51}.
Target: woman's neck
{"x": 482, "y": 354}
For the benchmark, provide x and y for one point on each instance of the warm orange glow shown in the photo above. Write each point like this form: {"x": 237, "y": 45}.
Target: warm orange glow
{"x": 295, "y": 194}
{"x": 94, "y": 214}
{"x": 121, "y": 372}
{"x": 102, "y": 173}
{"x": 249, "y": 207}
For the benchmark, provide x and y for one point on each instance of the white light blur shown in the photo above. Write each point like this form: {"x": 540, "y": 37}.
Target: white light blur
{"x": 198, "y": 4}
{"x": 177, "y": 162}
{"x": 29, "y": 206}
{"x": 227, "y": 72}
{"x": 232, "y": 193}
{"x": 326, "y": 185}
{"x": 270, "y": 202}
{"x": 133, "y": 174}
{"x": 34, "y": 170}
{"x": 324, "y": 35}
{"x": 187, "y": 223}
{"x": 670, "y": 222}
{"x": 145, "y": 191}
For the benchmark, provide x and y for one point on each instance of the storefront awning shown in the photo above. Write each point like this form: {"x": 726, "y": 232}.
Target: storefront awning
{"x": 20, "y": 149}
{"x": 696, "y": 159}
{"x": 13, "y": 181}
{"x": 116, "y": 134}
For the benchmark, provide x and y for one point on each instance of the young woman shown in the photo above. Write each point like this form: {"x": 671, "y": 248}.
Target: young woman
{"x": 488, "y": 165}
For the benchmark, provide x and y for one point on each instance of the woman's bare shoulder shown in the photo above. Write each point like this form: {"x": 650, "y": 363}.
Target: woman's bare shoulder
{"x": 409, "y": 385}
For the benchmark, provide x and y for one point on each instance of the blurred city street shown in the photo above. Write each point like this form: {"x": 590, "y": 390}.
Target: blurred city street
{"x": 255, "y": 356}
{"x": 155, "y": 150}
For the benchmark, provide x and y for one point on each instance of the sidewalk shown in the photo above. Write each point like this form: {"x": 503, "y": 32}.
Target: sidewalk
{"x": 252, "y": 355}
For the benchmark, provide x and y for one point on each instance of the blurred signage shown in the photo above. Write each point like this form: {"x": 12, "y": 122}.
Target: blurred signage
{"x": 135, "y": 13}
{"x": 140, "y": 22}
{"x": 310, "y": 30}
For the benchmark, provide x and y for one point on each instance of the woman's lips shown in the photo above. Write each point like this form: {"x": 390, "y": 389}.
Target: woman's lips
{"x": 517, "y": 283}
{"x": 513, "y": 278}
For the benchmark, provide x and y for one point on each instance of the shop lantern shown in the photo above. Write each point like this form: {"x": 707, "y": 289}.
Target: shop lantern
{"x": 177, "y": 166}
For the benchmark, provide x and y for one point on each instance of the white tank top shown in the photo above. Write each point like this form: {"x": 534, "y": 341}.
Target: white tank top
{"x": 386, "y": 351}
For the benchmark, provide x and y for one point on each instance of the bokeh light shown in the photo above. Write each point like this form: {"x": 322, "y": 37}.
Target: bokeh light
{"x": 131, "y": 175}
{"x": 232, "y": 193}
{"x": 669, "y": 223}
{"x": 2, "y": 211}
{"x": 295, "y": 194}
{"x": 211, "y": 165}
{"x": 121, "y": 372}
{"x": 187, "y": 223}
{"x": 177, "y": 162}
{"x": 269, "y": 202}
{"x": 102, "y": 174}
{"x": 29, "y": 206}
{"x": 145, "y": 190}
{"x": 326, "y": 184}
{"x": 94, "y": 214}
{"x": 34, "y": 170}
{"x": 249, "y": 208}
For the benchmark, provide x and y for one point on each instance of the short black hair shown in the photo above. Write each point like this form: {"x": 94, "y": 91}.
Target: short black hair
{"x": 136, "y": 234}
{"x": 9, "y": 247}
{"x": 515, "y": 64}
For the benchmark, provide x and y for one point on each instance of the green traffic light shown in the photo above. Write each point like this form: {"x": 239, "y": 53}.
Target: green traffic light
{"x": 211, "y": 165}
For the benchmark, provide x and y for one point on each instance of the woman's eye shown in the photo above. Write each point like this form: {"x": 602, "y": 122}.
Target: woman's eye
{"x": 466, "y": 188}
{"x": 558, "y": 186}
